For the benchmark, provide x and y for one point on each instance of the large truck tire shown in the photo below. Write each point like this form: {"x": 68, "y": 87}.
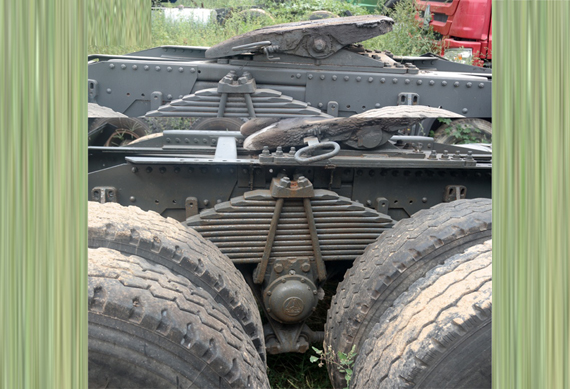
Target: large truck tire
{"x": 150, "y": 328}
{"x": 167, "y": 242}
{"x": 438, "y": 333}
{"x": 397, "y": 259}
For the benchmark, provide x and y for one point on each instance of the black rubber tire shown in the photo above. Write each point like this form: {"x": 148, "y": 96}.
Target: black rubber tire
{"x": 149, "y": 328}
{"x": 396, "y": 260}
{"x": 218, "y": 124}
{"x": 481, "y": 131}
{"x": 167, "y": 242}
{"x": 438, "y": 333}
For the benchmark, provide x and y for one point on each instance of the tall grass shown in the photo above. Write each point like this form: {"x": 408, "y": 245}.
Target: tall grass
{"x": 408, "y": 37}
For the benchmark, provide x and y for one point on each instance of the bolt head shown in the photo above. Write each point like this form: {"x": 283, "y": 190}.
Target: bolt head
{"x": 319, "y": 45}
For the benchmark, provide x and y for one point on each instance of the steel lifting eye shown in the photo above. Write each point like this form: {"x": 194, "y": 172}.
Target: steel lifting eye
{"x": 310, "y": 149}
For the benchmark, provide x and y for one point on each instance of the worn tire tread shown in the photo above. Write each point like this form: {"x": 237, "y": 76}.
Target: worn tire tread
{"x": 131, "y": 298}
{"x": 437, "y": 312}
{"x": 167, "y": 242}
{"x": 381, "y": 273}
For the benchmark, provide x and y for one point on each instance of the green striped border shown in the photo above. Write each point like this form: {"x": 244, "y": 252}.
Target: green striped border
{"x": 531, "y": 121}
{"x": 43, "y": 185}
{"x": 43, "y": 193}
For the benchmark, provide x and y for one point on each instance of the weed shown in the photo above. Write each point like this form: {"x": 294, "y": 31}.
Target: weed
{"x": 342, "y": 361}
{"x": 293, "y": 370}
{"x": 409, "y": 36}
{"x": 462, "y": 133}
{"x": 299, "y": 9}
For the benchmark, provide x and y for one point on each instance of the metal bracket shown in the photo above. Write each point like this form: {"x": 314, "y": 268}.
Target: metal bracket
{"x": 382, "y": 204}
{"x": 281, "y": 338}
{"x": 155, "y": 100}
{"x": 332, "y": 108}
{"x": 92, "y": 88}
{"x": 408, "y": 99}
{"x": 454, "y": 192}
{"x": 191, "y": 205}
{"x": 226, "y": 149}
{"x": 283, "y": 187}
{"x": 104, "y": 194}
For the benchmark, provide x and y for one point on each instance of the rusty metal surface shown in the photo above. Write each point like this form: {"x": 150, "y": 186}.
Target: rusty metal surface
{"x": 365, "y": 130}
{"x": 259, "y": 103}
{"x": 321, "y": 270}
{"x": 315, "y": 39}
{"x": 241, "y": 227}
{"x": 259, "y": 273}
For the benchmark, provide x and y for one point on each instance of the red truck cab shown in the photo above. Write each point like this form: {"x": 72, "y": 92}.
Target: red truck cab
{"x": 465, "y": 27}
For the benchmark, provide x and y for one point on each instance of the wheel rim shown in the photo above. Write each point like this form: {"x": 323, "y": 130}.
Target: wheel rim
{"x": 122, "y": 137}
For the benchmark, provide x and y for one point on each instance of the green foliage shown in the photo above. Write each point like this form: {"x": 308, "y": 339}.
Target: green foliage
{"x": 409, "y": 36}
{"x": 301, "y": 8}
{"x": 342, "y": 361}
{"x": 294, "y": 371}
{"x": 463, "y": 134}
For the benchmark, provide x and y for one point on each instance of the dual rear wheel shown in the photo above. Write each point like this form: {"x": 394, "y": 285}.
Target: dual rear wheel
{"x": 381, "y": 307}
{"x": 166, "y": 307}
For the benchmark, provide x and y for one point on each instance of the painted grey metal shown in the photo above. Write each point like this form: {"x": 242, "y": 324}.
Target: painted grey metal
{"x": 349, "y": 81}
{"x": 293, "y": 222}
